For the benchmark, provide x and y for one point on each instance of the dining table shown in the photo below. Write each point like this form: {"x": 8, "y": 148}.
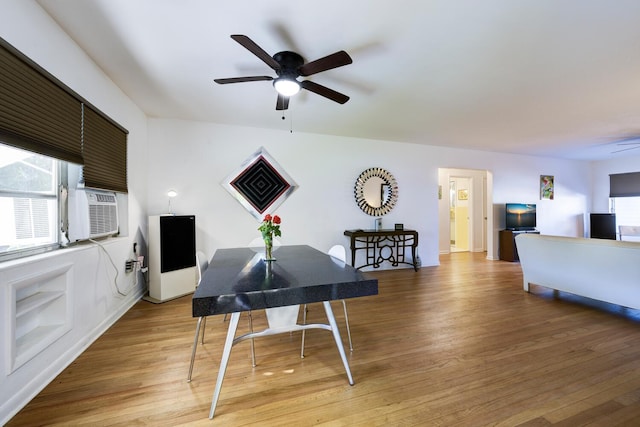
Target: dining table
{"x": 241, "y": 279}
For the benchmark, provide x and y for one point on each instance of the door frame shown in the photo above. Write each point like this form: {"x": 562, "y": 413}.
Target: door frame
{"x": 482, "y": 218}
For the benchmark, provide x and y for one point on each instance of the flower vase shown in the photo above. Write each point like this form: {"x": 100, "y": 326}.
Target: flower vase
{"x": 268, "y": 250}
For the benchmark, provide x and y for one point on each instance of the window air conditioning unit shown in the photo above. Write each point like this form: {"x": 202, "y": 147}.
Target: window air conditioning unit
{"x": 92, "y": 214}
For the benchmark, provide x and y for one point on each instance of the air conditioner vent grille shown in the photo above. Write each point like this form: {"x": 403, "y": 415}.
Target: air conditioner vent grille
{"x": 105, "y": 198}
{"x": 103, "y": 219}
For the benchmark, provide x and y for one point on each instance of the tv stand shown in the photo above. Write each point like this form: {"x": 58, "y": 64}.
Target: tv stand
{"x": 508, "y": 249}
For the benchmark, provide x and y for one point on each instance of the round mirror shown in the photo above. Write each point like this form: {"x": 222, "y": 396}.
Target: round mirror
{"x": 376, "y": 191}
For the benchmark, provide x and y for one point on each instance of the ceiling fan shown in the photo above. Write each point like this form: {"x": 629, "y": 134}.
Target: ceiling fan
{"x": 628, "y": 143}
{"x": 288, "y": 67}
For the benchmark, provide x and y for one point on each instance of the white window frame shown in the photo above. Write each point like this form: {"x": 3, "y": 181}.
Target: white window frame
{"x": 55, "y": 241}
{"x": 627, "y": 210}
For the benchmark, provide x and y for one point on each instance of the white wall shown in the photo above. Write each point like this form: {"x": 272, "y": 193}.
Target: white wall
{"x": 94, "y": 303}
{"x": 195, "y": 157}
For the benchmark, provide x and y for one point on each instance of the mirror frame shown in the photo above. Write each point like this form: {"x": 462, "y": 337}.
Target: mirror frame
{"x": 388, "y": 179}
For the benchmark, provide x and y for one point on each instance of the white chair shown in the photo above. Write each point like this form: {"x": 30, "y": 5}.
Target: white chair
{"x": 632, "y": 231}
{"x": 202, "y": 263}
{"x": 339, "y": 253}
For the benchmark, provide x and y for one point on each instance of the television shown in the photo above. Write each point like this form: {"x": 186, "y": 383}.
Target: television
{"x": 603, "y": 226}
{"x": 520, "y": 216}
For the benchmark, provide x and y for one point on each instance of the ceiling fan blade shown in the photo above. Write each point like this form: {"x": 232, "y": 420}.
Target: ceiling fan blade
{"x": 285, "y": 36}
{"x": 625, "y": 149}
{"x": 282, "y": 102}
{"x": 334, "y": 60}
{"x": 252, "y": 47}
{"x": 628, "y": 138}
{"x": 324, "y": 91}
{"x": 242, "y": 79}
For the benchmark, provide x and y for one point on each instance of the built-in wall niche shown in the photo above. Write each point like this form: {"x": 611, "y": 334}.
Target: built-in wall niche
{"x": 39, "y": 312}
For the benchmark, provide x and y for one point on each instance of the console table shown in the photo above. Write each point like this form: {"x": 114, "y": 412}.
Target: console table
{"x": 383, "y": 245}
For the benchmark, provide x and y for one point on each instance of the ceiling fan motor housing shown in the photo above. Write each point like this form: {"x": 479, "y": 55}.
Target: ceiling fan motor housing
{"x": 289, "y": 64}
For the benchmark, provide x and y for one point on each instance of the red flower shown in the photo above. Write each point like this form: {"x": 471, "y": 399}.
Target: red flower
{"x": 270, "y": 227}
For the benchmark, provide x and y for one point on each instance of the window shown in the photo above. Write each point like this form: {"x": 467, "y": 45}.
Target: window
{"x": 627, "y": 210}
{"x": 45, "y": 128}
{"x": 28, "y": 201}
{"x": 624, "y": 198}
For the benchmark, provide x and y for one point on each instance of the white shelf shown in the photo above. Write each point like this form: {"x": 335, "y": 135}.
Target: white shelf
{"x": 39, "y": 313}
{"x": 36, "y": 301}
{"x": 37, "y": 340}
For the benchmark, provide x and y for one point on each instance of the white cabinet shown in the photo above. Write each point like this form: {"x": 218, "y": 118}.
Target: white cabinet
{"x": 172, "y": 256}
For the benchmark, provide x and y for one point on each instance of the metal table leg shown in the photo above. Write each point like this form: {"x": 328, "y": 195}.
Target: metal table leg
{"x": 338, "y": 339}
{"x": 226, "y": 352}
{"x": 281, "y": 319}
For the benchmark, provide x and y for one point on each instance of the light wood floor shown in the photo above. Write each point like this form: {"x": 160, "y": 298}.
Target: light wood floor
{"x": 456, "y": 345}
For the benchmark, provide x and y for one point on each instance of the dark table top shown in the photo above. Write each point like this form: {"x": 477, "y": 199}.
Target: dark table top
{"x": 239, "y": 280}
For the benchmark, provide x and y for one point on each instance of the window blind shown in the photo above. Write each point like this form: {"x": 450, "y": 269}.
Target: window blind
{"x": 35, "y": 113}
{"x": 40, "y": 114}
{"x": 624, "y": 184}
{"x": 104, "y": 151}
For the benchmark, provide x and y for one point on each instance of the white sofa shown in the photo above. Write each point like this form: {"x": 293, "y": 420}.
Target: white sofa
{"x": 605, "y": 270}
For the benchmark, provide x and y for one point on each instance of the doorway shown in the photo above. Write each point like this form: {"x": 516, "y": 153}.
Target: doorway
{"x": 465, "y": 211}
{"x": 460, "y": 196}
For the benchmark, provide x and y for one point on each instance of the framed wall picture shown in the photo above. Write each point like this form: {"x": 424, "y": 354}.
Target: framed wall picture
{"x": 546, "y": 187}
{"x": 260, "y": 184}
{"x": 463, "y": 194}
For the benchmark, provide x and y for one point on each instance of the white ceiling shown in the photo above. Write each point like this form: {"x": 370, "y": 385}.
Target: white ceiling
{"x": 542, "y": 77}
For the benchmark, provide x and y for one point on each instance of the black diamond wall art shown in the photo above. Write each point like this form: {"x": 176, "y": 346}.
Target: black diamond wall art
{"x": 260, "y": 184}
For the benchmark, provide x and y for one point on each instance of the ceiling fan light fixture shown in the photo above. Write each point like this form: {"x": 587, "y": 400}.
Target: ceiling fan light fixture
{"x": 286, "y": 87}
{"x": 289, "y": 66}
